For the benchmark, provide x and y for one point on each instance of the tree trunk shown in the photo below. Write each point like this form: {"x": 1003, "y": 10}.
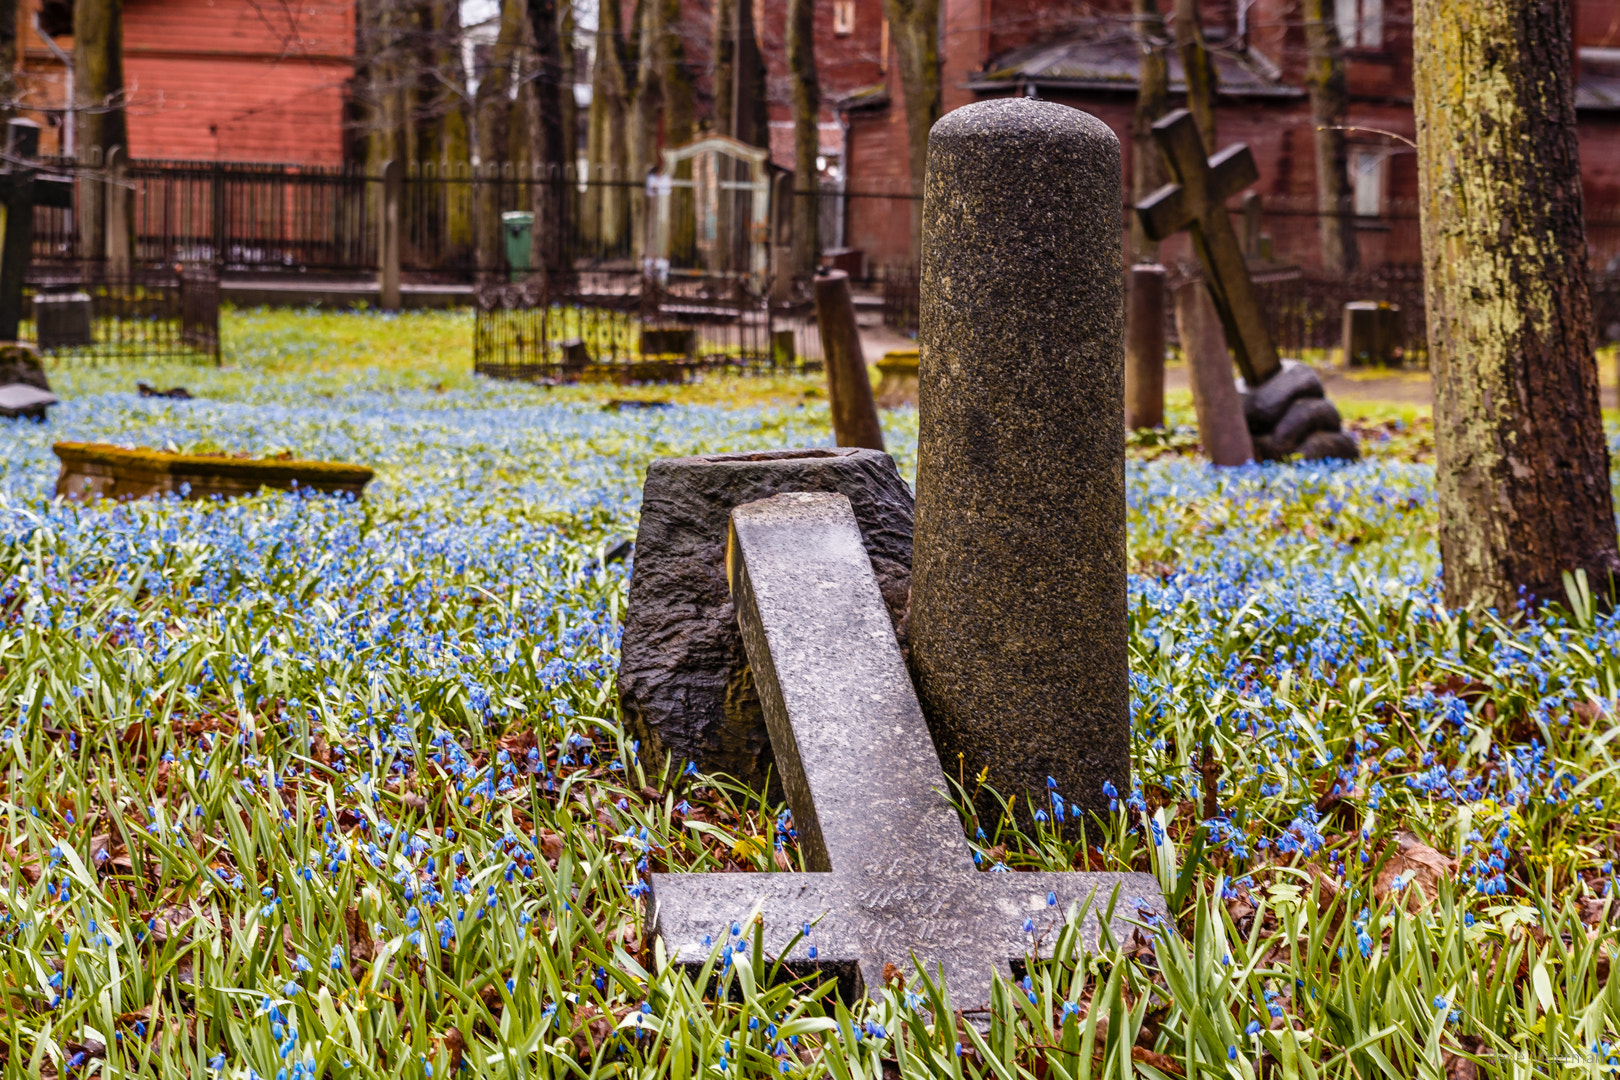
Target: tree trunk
{"x": 8, "y": 56}
{"x": 98, "y": 85}
{"x": 493, "y": 111}
{"x": 1152, "y": 102}
{"x": 647, "y": 98}
{"x": 1324, "y": 80}
{"x": 914, "y": 30}
{"x": 1522, "y": 469}
{"x": 606, "y": 137}
{"x": 551, "y": 247}
{"x": 1198, "y": 69}
{"x": 801, "y": 57}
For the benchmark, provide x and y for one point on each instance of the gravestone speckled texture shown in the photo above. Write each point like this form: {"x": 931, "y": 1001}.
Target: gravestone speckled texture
{"x": 891, "y": 875}
{"x": 1017, "y": 625}
{"x": 684, "y": 685}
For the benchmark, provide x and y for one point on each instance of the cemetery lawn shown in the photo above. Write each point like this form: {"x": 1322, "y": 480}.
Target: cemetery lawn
{"x": 299, "y": 787}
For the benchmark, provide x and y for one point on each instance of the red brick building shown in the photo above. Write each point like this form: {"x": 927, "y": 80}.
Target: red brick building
{"x": 234, "y": 80}
{"x": 1085, "y": 56}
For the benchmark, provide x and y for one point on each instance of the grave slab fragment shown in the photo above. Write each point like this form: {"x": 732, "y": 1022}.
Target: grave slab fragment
{"x": 1017, "y": 626}
{"x": 684, "y": 683}
{"x": 891, "y": 876}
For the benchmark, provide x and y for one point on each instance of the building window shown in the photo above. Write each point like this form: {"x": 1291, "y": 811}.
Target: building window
{"x": 1367, "y": 171}
{"x": 843, "y": 17}
{"x": 1361, "y": 23}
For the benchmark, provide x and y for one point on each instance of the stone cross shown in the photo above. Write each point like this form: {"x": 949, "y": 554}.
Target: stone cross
{"x": 1197, "y": 203}
{"x": 21, "y": 189}
{"x": 890, "y": 876}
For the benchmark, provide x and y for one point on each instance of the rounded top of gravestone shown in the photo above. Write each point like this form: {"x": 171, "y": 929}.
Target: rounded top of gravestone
{"x": 1022, "y": 120}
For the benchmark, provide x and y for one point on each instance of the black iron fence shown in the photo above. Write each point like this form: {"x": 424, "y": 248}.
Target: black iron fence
{"x": 147, "y": 314}
{"x": 625, "y": 328}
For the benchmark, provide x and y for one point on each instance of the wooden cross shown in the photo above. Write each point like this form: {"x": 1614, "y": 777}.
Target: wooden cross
{"x": 1197, "y": 203}
{"x": 891, "y": 876}
{"x": 22, "y": 189}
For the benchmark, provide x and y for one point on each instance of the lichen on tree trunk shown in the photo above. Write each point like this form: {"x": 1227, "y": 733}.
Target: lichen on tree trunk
{"x": 1522, "y": 466}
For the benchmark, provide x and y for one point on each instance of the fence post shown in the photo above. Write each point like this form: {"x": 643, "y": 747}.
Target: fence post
{"x": 117, "y": 202}
{"x": 388, "y": 297}
{"x": 782, "y": 267}
{"x": 1144, "y": 348}
{"x": 217, "y": 206}
{"x": 849, "y": 387}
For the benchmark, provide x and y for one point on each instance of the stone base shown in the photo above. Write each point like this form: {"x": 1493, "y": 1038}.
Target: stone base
{"x": 92, "y": 470}
{"x": 684, "y": 684}
{"x": 1289, "y": 414}
{"x": 897, "y": 379}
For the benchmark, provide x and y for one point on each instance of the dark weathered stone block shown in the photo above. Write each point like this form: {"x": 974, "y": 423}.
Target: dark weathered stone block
{"x": 62, "y": 320}
{"x": 1329, "y": 444}
{"x": 19, "y": 363}
{"x": 1017, "y": 625}
{"x": 1264, "y": 405}
{"x": 684, "y": 684}
{"x": 891, "y": 877}
{"x": 1304, "y": 416}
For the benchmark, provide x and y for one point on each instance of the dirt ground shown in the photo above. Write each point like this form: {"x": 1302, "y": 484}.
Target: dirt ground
{"x": 1356, "y": 384}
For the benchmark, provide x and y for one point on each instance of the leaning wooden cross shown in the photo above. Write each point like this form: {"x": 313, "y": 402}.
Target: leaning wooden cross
{"x": 891, "y": 877}
{"x": 22, "y": 188}
{"x": 1283, "y": 404}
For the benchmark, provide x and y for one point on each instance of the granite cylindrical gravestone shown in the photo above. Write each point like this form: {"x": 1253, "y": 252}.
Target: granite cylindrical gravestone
{"x": 1144, "y": 348}
{"x": 1017, "y": 625}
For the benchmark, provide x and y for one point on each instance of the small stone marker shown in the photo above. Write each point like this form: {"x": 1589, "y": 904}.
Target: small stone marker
{"x": 1144, "y": 348}
{"x": 849, "y": 388}
{"x": 897, "y": 379}
{"x": 1221, "y": 425}
{"x": 1373, "y": 334}
{"x": 20, "y": 400}
{"x": 684, "y": 684}
{"x": 891, "y": 876}
{"x": 1017, "y": 629}
{"x": 62, "y": 320}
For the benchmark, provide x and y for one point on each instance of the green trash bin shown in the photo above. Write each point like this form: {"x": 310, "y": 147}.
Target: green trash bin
{"x": 518, "y": 229}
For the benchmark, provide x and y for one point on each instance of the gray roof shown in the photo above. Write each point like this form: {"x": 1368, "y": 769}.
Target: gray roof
{"x": 1111, "y": 61}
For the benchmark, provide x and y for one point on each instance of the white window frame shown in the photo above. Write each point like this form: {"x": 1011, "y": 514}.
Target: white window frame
{"x": 843, "y": 17}
{"x": 1369, "y": 174}
{"x": 1361, "y": 23}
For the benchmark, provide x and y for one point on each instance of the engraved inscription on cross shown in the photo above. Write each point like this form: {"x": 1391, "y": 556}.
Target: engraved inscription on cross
{"x": 22, "y": 188}
{"x": 1197, "y": 203}
{"x": 890, "y": 874}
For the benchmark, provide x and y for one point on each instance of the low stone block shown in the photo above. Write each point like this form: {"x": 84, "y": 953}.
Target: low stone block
{"x": 1304, "y": 416}
{"x": 21, "y": 400}
{"x": 669, "y": 341}
{"x": 91, "y": 470}
{"x": 897, "y": 379}
{"x": 1373, "y": 334}
{"x": 62, "y": 320}
{"x": 1322, "y": 445}
{"x": 685, "y": 688}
